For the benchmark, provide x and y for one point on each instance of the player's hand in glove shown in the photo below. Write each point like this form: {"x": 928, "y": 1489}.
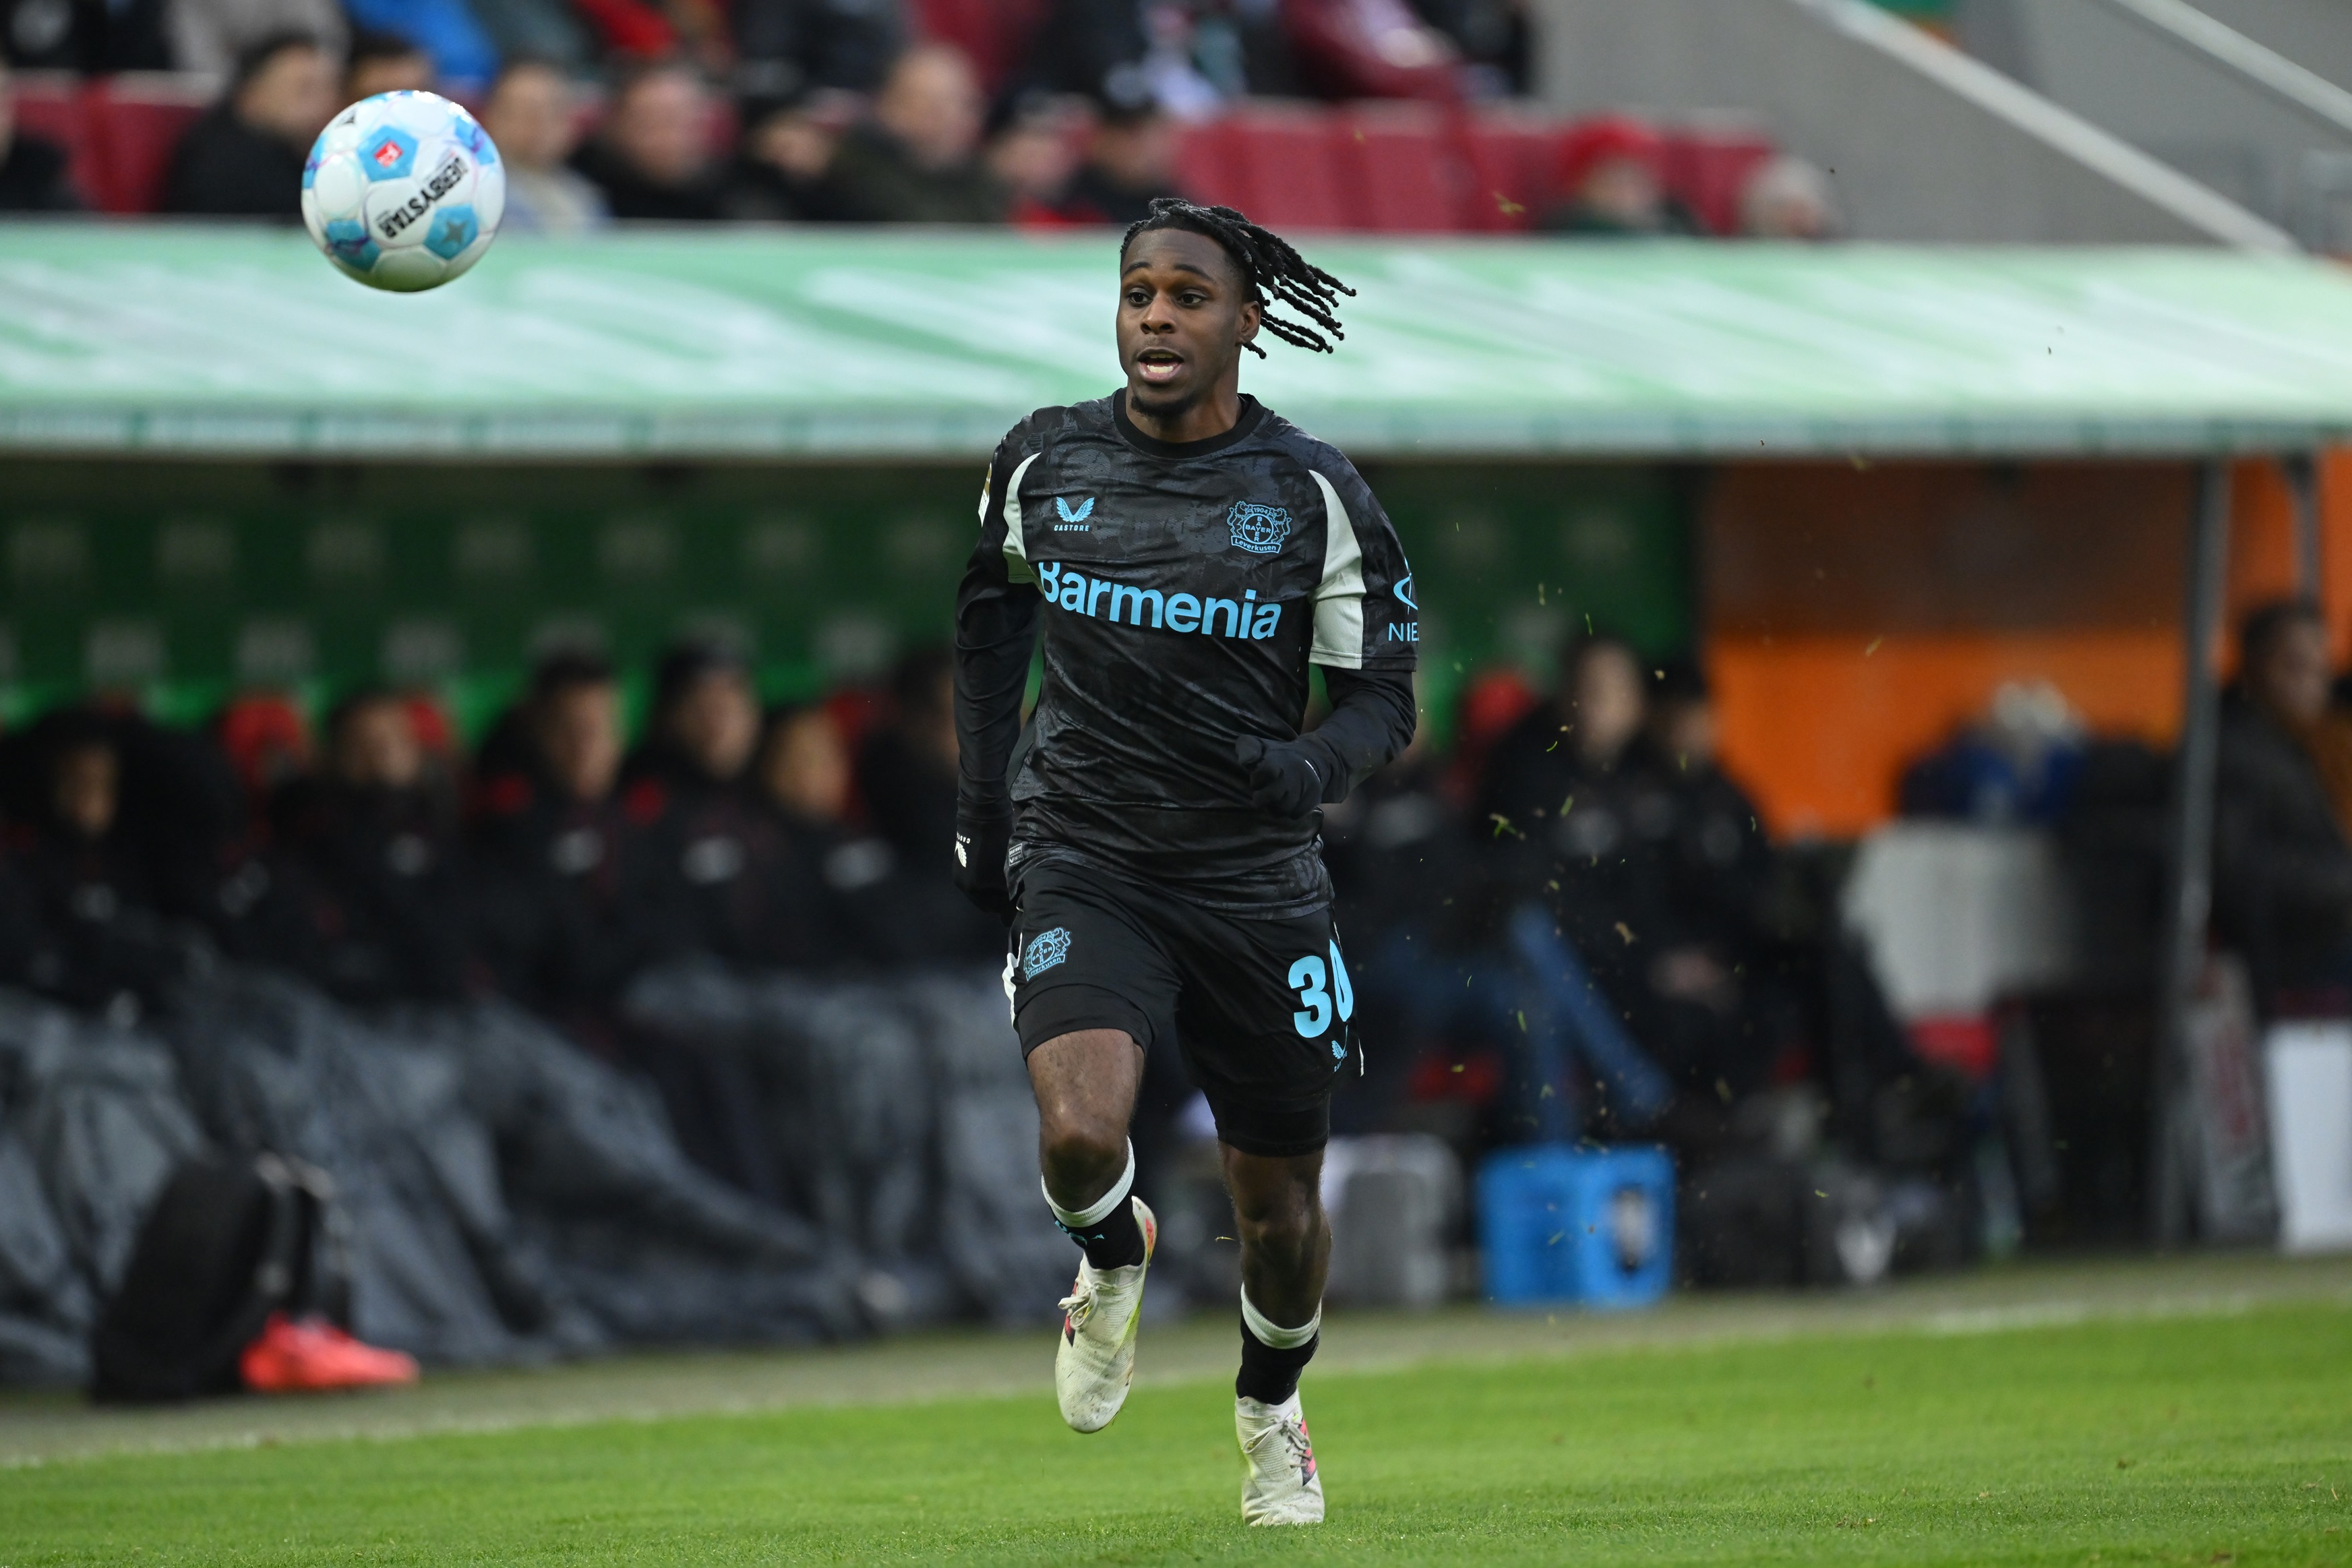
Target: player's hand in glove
{"x": 982, "y": 838}
{"x": 1283, "y": 781}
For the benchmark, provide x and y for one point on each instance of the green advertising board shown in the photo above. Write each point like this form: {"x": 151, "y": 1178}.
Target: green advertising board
{"x": 183, "y": 581}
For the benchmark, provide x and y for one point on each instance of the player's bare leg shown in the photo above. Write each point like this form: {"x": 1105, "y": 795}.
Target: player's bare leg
{"x": 1285, "y": 1257}
{"x": 1085, "y": 1085}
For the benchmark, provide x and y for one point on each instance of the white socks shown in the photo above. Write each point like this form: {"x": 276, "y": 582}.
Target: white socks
{"x": 1094, "y": 1213}
{"x": 1272, "y": 1335}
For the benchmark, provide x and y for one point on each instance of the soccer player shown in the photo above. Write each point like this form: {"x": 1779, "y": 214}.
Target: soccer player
{"x": 1190, "y": 554}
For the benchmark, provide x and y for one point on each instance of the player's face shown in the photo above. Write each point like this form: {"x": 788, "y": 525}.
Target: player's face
{"x": 1184, "y": 316}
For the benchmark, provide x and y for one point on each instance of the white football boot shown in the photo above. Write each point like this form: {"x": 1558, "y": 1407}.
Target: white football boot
{"x": 1281, "y": 1485}
{"x": 1095, "y": 1359}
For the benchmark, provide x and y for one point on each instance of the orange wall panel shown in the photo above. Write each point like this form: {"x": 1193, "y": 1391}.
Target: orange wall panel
{"x": 1820, "y": 729}
{"x": 1857, "y": 619}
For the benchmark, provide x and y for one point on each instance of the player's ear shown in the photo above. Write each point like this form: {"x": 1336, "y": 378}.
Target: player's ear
{"x": 1252, "y": 315}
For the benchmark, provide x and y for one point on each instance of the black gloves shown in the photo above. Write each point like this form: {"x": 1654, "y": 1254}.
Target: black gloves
{"x": 1284, "y": 780}
{"x": 982, "y": 834}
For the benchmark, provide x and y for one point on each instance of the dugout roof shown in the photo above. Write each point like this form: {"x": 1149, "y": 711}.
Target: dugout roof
{"x": 857, "y": 345}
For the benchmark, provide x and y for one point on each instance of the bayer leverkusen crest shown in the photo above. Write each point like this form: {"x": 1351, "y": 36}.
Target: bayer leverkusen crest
{"x": 1258, "y": 528}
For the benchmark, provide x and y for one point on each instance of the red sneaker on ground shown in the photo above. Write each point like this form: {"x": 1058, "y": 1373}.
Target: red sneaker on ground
{"x": 292, "y": 1357}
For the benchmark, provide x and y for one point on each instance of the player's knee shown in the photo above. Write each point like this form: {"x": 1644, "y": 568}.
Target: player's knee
{"x": 1081, "y": 1152}
{"x": 1287, "y": 1219}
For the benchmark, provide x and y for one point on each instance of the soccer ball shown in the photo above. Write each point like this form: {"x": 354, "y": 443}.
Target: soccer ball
{"x": 404, "y": 191}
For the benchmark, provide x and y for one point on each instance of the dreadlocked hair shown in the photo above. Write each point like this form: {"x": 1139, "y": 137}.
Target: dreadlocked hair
{"x": 1274, "y": 272}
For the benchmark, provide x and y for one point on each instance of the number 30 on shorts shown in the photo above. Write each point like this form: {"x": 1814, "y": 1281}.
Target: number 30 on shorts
{"x": 1308, "y": 977}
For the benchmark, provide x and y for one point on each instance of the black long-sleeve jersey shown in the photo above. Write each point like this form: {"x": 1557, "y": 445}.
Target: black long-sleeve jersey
{"x": 1184, "y": 589}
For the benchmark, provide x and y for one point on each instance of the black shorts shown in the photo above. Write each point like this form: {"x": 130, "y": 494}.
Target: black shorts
{"x": 1260, "y": 1009}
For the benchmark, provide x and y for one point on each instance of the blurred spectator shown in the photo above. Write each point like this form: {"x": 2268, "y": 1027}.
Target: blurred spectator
{"x": 1789, "y": 197}
{"x": 1700, "y": 1015}
{"x": 789, "y": 48}
{"x": 84, "y": 36}
{"x": 1131, "y": 159}
{"x": 697, "y": 754}
{"x": 630, "y": 30}
{"x": 266, "y": 739}
{"x": 1613, "y": 171}
{"x": 826, "y": 888}
{"x": 375, "y": 837}
{"x": 32, "y": 170}
{"x": 1491, "y": 37}
{"x": 549, "y": 31}
{"x": 209, "y": 36}
{"x": 781, "y": 162}
{"x": 384, "y": 62}
{"x": 1560, "y": 804}
{"x": 906, "y": 772}
{"x": 907, "y": 767}
{"x": 243, "y": 158}
{"x": 2020, "y": 762}
{"x": 652, "y": 158}
{"x": 2282, "y": 865}
{"x": 576, "y": 890}
{"x": 407, "y": 43}
{"x": 105, "y": 943}
{"x": 1034, "y": 156}
{"x": 1186, "y": 57}
{"x": 531, "y": 117}
{"x": 915, "y": 160}
{"x": 1368, "y": 48}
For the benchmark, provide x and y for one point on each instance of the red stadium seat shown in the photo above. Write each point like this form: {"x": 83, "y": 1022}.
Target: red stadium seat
{"x": 53, "y": 106}
{"x": 1406, "y": 176}
{"x": 1209, "y": 163}
{"x": 1514, "y": 159}
{"x": 139, "y": 117}
{"x": 1288, "y": 166}
{"x": 1707, "y": 167}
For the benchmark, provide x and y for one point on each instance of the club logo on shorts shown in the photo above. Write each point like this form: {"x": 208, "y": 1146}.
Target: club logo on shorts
{"x": 1258, "y": 528}
{"x": 1046, "y": 949}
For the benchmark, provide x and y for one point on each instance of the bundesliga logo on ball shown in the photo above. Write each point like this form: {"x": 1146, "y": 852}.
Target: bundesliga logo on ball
{"x": 404, "y": 191}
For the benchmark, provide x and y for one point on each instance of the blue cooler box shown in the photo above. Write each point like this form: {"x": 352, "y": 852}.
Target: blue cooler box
{"x": 1594, "y": 1226}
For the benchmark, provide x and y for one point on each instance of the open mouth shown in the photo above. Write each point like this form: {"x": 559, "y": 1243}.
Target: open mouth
{"x": 1158, "y": 364}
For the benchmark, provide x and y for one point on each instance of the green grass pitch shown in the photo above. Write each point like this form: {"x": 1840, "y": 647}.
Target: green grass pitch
{"x": 2218, "y": 1439}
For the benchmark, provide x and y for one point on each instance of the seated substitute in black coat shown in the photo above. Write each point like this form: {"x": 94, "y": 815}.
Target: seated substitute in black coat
{"x": 575, "y": 896}
{"x": 243, "y": 158}
{"x": 374, "y": 837}
{"x": 712, "y": 835}
{"x": 1561, "y": 803}
{"x": 101, "y": 935}
{"x": 2281, "y": 867}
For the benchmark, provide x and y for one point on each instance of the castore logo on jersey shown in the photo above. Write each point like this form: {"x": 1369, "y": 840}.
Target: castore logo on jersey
{"x": 1073, "y": 522}
{"x": 1258, "y": 528}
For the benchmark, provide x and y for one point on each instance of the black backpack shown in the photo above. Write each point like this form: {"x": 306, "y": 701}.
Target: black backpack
{"x": 233, "y": 1238}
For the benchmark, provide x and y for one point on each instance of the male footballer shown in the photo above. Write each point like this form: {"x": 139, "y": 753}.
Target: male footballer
{"x": 1190, "y": 554}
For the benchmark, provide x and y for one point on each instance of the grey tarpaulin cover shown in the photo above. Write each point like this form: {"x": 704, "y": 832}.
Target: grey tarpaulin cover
{"x": 92, "y": 1124}
{"x": 508, "y": 1196}
{"x": 901, "y": 1117}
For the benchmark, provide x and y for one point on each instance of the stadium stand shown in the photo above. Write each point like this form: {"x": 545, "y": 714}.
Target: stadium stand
{"x": 118, "y": 131}
{"x": 1385, "y": 166}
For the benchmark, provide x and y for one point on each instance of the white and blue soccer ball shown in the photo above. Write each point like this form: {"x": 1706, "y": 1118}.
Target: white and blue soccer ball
{"x": 404, "y": 191}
